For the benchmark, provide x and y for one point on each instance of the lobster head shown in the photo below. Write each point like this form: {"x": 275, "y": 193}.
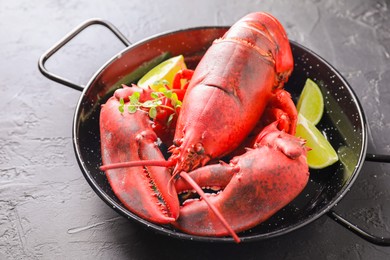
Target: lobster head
{"x": 192, "y": 157}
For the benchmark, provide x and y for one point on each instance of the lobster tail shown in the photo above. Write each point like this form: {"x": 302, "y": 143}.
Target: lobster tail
{"x": 265, "y": 33}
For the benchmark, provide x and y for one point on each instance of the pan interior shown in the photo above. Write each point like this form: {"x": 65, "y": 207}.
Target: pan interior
{"x": 343, "y": 124}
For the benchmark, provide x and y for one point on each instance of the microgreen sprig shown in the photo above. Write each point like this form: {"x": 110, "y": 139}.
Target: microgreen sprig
{"x": 152, "y": 104}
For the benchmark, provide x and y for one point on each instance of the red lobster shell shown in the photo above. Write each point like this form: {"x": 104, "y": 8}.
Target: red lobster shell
{"x": 235, "y": 99}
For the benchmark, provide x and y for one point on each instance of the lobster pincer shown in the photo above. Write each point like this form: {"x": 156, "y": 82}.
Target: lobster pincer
{"x": 254, "y": 186}
{"x": 145, "y": 190}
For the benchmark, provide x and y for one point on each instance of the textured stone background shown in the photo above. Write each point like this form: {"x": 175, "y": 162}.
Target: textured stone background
{"x": 47, "y": 209}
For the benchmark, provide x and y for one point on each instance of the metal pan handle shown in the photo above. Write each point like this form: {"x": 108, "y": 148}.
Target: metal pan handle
{"x": 381, "y": 241}
{"x": 65, "y": 40}
{"x": 382, "y": 158}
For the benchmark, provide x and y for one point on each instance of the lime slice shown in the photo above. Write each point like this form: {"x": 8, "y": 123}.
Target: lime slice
{"x": 311, "y": 102}
{"x": 322, "y": 153}
{"x": 162, "y": 74}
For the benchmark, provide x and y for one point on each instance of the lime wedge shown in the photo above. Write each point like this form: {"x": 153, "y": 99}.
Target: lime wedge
{"x": 163, "y": 74}
{"x": 322, "y": 153}
{"x": 311, "y": 102}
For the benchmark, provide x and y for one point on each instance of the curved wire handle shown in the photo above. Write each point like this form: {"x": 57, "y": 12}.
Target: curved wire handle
{"x": 65, "y": 40}
{"x": 381, "y": 241}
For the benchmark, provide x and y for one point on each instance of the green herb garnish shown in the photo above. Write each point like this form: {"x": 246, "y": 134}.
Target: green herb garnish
{"x": 122, "y": 105}
{"x": 152, "y": 104}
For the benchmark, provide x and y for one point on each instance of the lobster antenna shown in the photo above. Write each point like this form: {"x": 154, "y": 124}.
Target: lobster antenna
{"x": 199, "y": 190}
{"x": 160, "y": 163}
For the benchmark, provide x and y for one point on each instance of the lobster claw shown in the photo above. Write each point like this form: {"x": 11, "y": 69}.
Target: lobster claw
{"x": 145, "y": 190}
{"x": 258, "y": 186}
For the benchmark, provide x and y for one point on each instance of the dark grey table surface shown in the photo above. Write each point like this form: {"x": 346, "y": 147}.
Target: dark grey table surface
{"x": 48, "y": 210}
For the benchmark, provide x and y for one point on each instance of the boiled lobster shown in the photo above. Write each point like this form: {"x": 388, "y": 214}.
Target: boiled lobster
{"x": 235, "y": 99}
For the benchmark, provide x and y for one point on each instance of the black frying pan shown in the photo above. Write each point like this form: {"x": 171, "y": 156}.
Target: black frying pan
{"x": 343, "y": 123}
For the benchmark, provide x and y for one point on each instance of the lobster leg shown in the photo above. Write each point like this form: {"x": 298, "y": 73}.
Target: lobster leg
{"x": 145, "y": 190}
{"x": 214, "y": 176}
{"x": 281, "y": 108}
{"x": 258, "y": 188}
